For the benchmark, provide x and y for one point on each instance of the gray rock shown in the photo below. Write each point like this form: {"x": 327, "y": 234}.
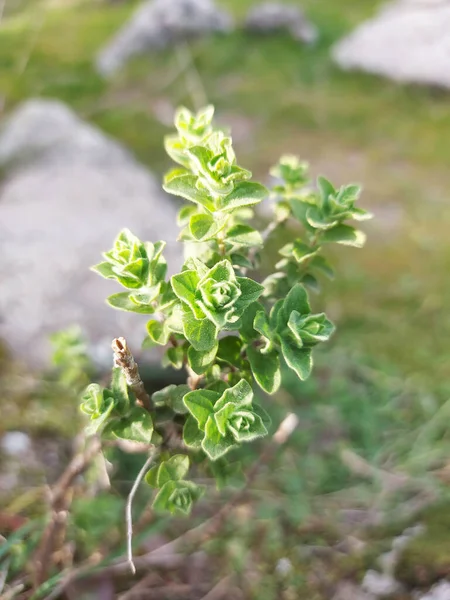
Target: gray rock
{"x": 440, "y": 591}
{"x": 158, "y": 24}
{"x": 407, "y": 41}
{"x": 380, "y": 585}
{"x": 273, "y": 16}
{"x": 68, "y": 191}
{"x": 15, "y": 443}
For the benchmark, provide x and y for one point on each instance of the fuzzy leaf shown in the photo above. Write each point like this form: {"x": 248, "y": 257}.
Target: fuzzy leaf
{"x": 250, "y": 292}
{"x": 200, "y": 403}
{"x": 204, "y": 227}
{"x": 158, "y": 332}
{"x": 174, "y": 469}
{"x": 240, "y": 395}
{"x": 120, "y": 391}
{"x": 201, "y": 333}
{"x": 184, "y": 285}
{"x": 172, "y": 396}
{"x": 298, "y": 359}
{"x": 265, "y": 369}
{"x": 192, "y": 435}
{"x": 297, "y": 299}
{"x": 214, "y": 444}
{"x": 123, "y": 301}
{"x": 241, "y": 235}
{"x": 136, "y": 427}
{"x": 344, "y": 234}
{"x": 105, "y": 269}
{"x": 245, "y": 193}
{"x": 247, "y": 330}
{"x": 175, "y": 357}
{"x": 200, "y": 361}
{"x": 183, "y": 184}
{"x": 177, "y": 497}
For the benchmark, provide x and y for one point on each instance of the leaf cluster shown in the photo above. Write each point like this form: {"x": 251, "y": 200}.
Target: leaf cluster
{"x": 227, "y": 329}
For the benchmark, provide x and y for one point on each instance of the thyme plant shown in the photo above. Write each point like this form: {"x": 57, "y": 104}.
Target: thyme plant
{"x": 230, "y": 332}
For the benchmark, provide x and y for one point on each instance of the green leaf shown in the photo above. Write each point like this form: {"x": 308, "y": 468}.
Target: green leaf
{"x": 297, "y": 299}
{"x": 119, "y": 388}
{"x": 123, "y": 301}
{"x": 247, "y": 330}
{"x": 215, "y": 445}
{"x": 98, "y": 422}
{"x": 326, "y": 188}
{"x": 175, "y": 357}
{"x": 265, "y": 369}
{"x": 230, "y": 348}
{"x": 204, "y": 227}
{"x": 241, "y": 235}
{"x": 256, "y": 430}
{"x": 136, "y": 427}
{"x": 344, "y": 234}
{"x": 201, "y": 333}
{"x": 152, "y": 476}
{"x": 184, "y": 285}
{"x": 265, "y": 418}
{"x": 192, "y": 435}
{"x": 174, "y": 469}
{"x": 105, "y": 269}
{"x": 172, "y": 396}
{"x": 250, "y": 292}
{"x": 201, "y": 361}
{"x": 184, "y": 185}
{"x": 240, "y": 395}
{"x": 245, "y": 193}
{"x": 200, "y": 404}
{"x": 297, "y": 359}
{"x": 318, "y": 220}
{"x": 261, "y": 324}
{"x": 322, "y": 264}
{"x": 185, "y": 213}
{"x": 177, "y": 497}
{"x": 158, "y": 332}
{"x": 311, "y": 282}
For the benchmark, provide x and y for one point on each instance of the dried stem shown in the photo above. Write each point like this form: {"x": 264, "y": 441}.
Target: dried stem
{"x": 125, "y": 360}
{"x": 129, "y": 517}
{"x": 60, "y": 500}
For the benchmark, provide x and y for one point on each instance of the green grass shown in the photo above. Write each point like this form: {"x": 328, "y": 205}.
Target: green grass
{"x": 390, "y": 299}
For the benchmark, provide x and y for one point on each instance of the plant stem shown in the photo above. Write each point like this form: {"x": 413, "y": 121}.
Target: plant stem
{"x": 128, "y": 515}
{"x": 124, "y": 359}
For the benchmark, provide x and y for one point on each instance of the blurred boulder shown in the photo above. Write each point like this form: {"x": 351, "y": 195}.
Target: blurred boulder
{"x": 440, "y": 591}
{"x": 271, "y": 16}
{"x": 158, "y": 24}
{"x": 408, "y": 41}
{"x": 68, "y": 190}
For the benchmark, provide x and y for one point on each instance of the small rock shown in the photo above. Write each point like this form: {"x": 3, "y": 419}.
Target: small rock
{"x": 440, "y": 591}
{"x": 283, "y": 567}
{"x": 407, "y": 41}
{"x": 15, "y": 443}
{"x": 158, "y": 24}
{"x": 381, "y": 585}
{"x": 273, "y": 16}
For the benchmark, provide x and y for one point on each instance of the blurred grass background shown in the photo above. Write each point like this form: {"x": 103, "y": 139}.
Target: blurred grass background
{"x": 382, "y": 386}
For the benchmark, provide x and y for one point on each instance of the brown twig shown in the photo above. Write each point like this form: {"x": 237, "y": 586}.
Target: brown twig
{"x": 60, "y": 500}
{"x": 124, "y": 359}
